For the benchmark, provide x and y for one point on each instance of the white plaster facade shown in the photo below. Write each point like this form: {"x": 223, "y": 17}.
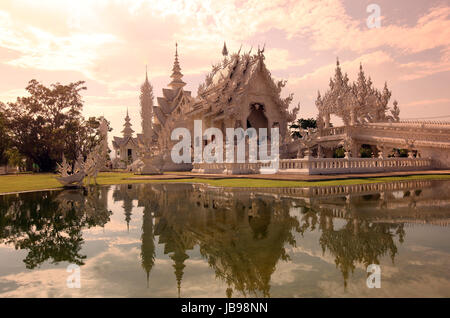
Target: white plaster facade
{"x": 126, "y": 147}
{"x": 240, "y": 92}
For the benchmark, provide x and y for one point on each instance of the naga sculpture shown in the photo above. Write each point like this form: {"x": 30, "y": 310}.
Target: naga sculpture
{"x": 71, "y": 177}
{"x": 90, "y": 167}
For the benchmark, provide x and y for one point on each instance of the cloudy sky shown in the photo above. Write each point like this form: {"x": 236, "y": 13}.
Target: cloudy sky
{"x": 108, "y": 43}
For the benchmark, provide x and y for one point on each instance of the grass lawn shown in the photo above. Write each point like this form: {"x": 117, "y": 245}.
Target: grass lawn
{"x": 42, "y": 181}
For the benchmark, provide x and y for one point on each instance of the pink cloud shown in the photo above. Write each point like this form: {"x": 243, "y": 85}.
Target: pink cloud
{"x": 109, "y": 43}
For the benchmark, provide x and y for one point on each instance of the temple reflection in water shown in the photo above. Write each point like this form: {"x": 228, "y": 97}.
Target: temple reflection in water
{"x": 242, "y": 234}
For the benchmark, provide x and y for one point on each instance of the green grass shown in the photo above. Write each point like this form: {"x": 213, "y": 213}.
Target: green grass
{"x": 42, "y": 181}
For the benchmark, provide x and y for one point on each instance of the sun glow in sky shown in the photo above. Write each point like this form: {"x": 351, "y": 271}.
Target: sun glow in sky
{"x": 108, "y": 43}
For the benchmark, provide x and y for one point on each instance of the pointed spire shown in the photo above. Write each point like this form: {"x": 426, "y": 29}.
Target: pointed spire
{"x": 179, "y": 256}
{"x": 128, "y": 209}
{"x": 148, "y": 243}
{"x": 338, "y": 78}
{"x": 146, "y": 104}
{"x": 127, "y": 131}
{"x": 225, "y": 50}
{"x": 176, "y": 72}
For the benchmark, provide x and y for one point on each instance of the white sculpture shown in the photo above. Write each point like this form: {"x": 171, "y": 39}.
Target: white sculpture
{"x": 152, "y": 162}
{"x": 90, "y": 168}
{"x": 69, "y": 177}
{"x": 135, "y": 166}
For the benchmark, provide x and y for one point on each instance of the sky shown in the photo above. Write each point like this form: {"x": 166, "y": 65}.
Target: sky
{"x": 108, "y": 44}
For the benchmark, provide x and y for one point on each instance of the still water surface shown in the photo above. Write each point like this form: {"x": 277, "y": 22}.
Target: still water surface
{"x": 170, "y": 240}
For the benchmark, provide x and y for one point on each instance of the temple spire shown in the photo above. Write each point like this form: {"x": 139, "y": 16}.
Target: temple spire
{"x": 176, "y": 73}
{"x": 148, "y": 243}
{"x": 146, "y": 103}
{"x": 127, "y": 130}
{"x": 224, "y": 50}
{"x": 179, "y": 256}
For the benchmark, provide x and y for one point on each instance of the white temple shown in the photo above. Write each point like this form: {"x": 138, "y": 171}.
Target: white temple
{"x": 125, "y": 147}
{"x": 240, "y": 92}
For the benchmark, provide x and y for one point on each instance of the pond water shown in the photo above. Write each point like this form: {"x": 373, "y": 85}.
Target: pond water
{"x": 171, "y": 240}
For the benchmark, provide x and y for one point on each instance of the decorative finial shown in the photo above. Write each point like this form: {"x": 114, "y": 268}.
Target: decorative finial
{"x": 224, "y": 50}
{"x": 127, "y": 131}
{"x": 176, "y": 72}
{"x": 261, "y": 52}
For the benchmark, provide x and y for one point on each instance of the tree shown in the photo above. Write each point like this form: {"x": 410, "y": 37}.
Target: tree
{"x": 4, "y": 139}
{"x": 302, "y": 124}
{"x": 15, "y": 159}
{"x": 48, "y": 124}
{"x": 366, "y": 151}
{"x": 88, "y": 137}
{"x": 339, "y": 152}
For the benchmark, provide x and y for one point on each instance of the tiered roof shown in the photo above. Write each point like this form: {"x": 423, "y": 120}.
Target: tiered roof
{"x": 176, "y": 72}
{"x": 229, "y": 80}
{"x": 173, "y": 95}
{"x": 127, "y": 135}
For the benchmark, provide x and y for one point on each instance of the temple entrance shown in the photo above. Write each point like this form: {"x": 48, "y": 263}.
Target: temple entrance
{"x": 130, "y": 155}
{"x": 257, "y": 119}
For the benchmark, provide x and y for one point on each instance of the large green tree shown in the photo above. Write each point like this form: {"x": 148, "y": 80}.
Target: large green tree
{"x": 48, "y": 123}
{"x": 4, "y": 140}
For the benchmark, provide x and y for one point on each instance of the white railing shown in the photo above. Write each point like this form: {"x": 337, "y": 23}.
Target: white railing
{"x": 310, "y": 166}
{"x": 229, "y": 168}
{"x": 429, "y": 122}
{"x": 352, "y": 165}
{"x": 332, "y": 131}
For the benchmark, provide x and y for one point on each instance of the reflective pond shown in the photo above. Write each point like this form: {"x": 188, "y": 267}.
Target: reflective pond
{"x": 188, "y": 240}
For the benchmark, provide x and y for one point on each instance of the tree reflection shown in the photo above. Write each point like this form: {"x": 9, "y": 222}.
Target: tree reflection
{"x": 359, "y": 242}
{"x": 49, "y": 225}
{"x": 243, "y": 237}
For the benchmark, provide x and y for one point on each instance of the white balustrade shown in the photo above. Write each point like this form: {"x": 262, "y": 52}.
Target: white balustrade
{"x": 320, "y": 166}
{"x": 352, "y": 165}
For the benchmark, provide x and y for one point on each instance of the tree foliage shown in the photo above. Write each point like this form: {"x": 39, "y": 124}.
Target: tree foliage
{"x": 4, "y": 139}
{"x": 302, "y": 123}
{"x": 49, "y": 225}
{"x": 48, "y": 124}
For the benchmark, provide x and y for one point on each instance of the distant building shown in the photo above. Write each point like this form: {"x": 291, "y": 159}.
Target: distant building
{"x": 125, "y": 147}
